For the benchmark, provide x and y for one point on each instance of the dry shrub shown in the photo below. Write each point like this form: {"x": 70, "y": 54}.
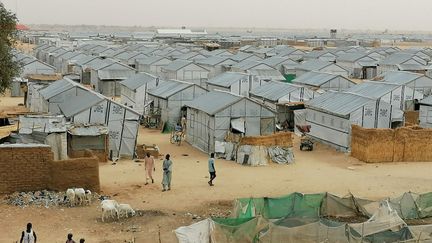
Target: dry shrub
{"x": 386, "y": 145}
{"x": 411, "y": 117}
{"x": 372, "y": 145}
{"x": 283, "y": 139}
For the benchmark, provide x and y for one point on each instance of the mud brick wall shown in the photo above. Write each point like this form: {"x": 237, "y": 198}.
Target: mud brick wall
{"x": 80, "y": 172}
{"x": 32, "y": 168}
{"x": 24, "y": 168}
{"x": 101, "y": 154}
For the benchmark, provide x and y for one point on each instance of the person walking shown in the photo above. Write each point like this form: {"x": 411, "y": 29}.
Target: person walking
{"x": 69, "y": 238}
{"x": 82, "y": 240}
{"x": 167, "y": 172}
{"x": 28, "y": 236}
{"x": 149, "y": 167}
{"x": 211, "y": 168}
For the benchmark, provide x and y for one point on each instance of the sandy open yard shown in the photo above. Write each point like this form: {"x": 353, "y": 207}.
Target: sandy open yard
{"x": 321, "y": 170}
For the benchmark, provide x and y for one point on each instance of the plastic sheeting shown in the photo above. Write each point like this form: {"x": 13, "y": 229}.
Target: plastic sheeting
{"x": 298, "y": 218}
{"x": 281, "y": 155}
{"x": 385, "y": 218}
{"x": 195, "y": 233}
{"x": 252, "y": 155}
{"x": 238, "y": 124}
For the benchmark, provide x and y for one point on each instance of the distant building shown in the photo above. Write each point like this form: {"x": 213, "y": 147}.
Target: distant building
{"x": 333, "y": 33}
{"x": 211, "y": 116}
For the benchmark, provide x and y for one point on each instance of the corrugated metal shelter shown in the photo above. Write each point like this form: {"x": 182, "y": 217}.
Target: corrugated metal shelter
{"x": 259, "y": 70}
{"x": 324, "y": 81}
{"x": 83, "y": 106}
{"x": 320, "y": 66}
{"x": 359, "y": 64}
{"x": 395, "y": 60}
{"x": 277, "y": 62}
{"x": 293, "y": 54}
{"x": 216, "y": 64}
{"x": 33, "y": 66}
{"x": 210, "y": 117}
{"x": 234, "y": 82}
{"x": 283, "y": 99}
{"x": 331, "y": 115}
{"x": 425, "y": 113}
{"x": 170, "y": 96}
{"x": 394, "y": 94}
{"x": 186, "y": 71}
{"x": 106, "y": 78}
{"x": 191, "y": 56}
{"x": 153, "y": 64}
{"x": 275, "y": 92}
{"x": 324, "y": 55}
{"x": 134, "y": 90}
{"x": 242, "y": 56}
{"x": 417, "y": 82}
{"x": 66, "y": 62}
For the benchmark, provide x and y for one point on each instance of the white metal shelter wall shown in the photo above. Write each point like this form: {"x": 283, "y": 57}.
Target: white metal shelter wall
{"x": 332, "y": 129}
{"x": 16, "y": 90}
{"x": 193, "y": 74}
{"x": 128, "y": 97}
{"x": 203, "y": 130}
{"x": 37, "y": 68}
{"x": 200, "y": 130}
{"x": 425, "y": 116}
{"x": 61, "y": 98}
{"x": 129, "y": 134}
{"x": 110, "y": 87}
{"x": 94, "y": 81}
{"x": 35, "y": 101}
{"x": 122, "y": 125}
{"x": 170, "y": 108}
{"x": 422, "y": 85}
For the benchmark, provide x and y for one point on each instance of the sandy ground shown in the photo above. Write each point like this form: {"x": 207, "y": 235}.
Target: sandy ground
{"x": 321, "y": 170}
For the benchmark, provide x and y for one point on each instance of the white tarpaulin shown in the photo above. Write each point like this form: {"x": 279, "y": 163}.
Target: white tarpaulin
{"x": 195, "y": 233}
{"x": 252, "y": 155}
{"x": 219, "y": 147}
{"x": 238, "y": 124}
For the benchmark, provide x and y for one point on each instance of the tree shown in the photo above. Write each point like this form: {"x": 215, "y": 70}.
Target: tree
{"x": 8, "y": 67}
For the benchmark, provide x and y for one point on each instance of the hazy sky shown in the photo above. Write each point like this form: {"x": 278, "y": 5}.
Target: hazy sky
{"x": 348, "y": 14}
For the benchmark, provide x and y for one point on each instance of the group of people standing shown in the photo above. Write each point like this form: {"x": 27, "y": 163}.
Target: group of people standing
{"x": 29, "y": 236}
{"x": 167, "y": 167}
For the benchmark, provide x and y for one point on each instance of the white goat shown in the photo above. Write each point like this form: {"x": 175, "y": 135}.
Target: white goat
{"x": 70, "y": 195}
{"x": 80, "y": 195}
{"x": 125, "y": 210}
{"x": 88, "y": 196}
{"x": 109, "y": 207}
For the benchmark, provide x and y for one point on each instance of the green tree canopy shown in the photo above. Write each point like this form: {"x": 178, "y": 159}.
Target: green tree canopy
{"x": 8, "y": 68}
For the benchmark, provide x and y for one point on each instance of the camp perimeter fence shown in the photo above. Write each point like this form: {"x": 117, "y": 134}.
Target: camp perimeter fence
{"x": 321, "y": 217}
{"x": 405, "y": 144}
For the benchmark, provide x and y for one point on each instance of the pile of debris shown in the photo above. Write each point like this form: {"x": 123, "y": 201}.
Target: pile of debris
{"x": 38, "y": 198}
